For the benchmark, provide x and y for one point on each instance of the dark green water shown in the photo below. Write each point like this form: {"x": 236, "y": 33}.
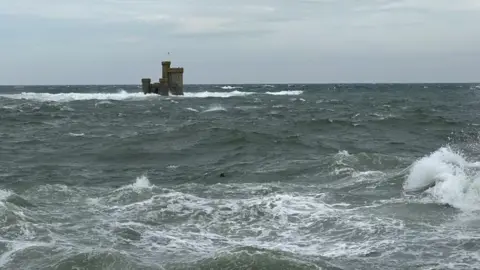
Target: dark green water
{"x": 316, "y": 177}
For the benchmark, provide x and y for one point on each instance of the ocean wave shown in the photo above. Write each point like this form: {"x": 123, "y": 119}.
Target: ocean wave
{"x": 369, "y": 170}
{"x": 448, "y": 177}
{"x": 253, "y": 258}
{"x": 124, "y": 95}
{"x": 208, "y": 94}
{"x": 251, "y": 221}
{"x": 22, "y": 250}
{"x": 67, "y": 97}
{"x": 204, "y": 226}
{"x": 228, "y": 87}
{"x": 100, "y": 258}
{"x": 286, "y": 93}
{"x": 215, "y": 108}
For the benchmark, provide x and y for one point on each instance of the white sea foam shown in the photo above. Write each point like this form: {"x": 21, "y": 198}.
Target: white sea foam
{"x": 123, "y": 95}
{"x": 207, "y": 94}
{"x": 287, "y": 216}
{"x": 4, "y": 194}
{"x": 185, "y": 220}
{"x": 434, "y": 167}
{"x": 286, "y": 93}
{"x": 141, "y": 187}
{"x": 141, "y": 182}
{"x": 67, "y": 97}
{"x": 19, "y": 246}
{"x": 247, "y": 108}
{"x": 76, "y": 134}
{"x": 9, "y": 107}
{"x": 455, "y": 180}
{"x": 228, "y": 87}
{"x": 191, "y": 109}
{"x": 383, "y": 116}
{"x": 215, "y": 108}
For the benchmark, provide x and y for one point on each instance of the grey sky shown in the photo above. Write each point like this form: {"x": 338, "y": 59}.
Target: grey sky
{"x": 219, "y": 41}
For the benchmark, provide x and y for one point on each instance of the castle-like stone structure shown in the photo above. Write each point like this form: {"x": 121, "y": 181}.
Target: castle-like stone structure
{"x": 170, "y": 83}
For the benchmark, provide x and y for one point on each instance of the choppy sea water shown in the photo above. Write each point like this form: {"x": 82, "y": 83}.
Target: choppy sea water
{"x": 315, "y": 177}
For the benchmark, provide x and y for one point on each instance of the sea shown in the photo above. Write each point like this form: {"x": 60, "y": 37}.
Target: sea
{"x": 281, "y": 176}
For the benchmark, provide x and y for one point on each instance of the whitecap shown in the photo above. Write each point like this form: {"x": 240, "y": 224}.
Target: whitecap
{"x": 286, "y": 93}
{"x": 207, "y": 94}
{"x": 67, "y": 97}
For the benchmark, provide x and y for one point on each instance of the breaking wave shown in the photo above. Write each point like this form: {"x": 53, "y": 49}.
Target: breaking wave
{"x": 207, "y": 94}
{"x": 276, "y": 226}
{"x": 286, "y": 93}
{"x": 123, "y": 95}
{"x": 448, "y": 177}
{"x": 66, "y": 97}
{"x": 237, "y": 93}
{"x": 228, "y": 87}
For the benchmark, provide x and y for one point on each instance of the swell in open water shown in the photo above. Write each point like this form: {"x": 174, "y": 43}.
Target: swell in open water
{"x": 316, "y": 177}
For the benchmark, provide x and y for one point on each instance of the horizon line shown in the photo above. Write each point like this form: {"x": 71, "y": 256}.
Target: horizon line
{"x": 270, "y": 83}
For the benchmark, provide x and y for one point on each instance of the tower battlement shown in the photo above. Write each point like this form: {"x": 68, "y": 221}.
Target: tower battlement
{"x": 175, "y": 70}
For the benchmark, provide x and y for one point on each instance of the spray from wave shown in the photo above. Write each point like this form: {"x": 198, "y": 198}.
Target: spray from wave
{"x": 141, "y": 182}
{"x": 448, "y": 178}
{"x": 4, "y": 194}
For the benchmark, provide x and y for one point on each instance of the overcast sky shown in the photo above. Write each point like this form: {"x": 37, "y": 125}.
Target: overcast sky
{"x": 243, "y": 41}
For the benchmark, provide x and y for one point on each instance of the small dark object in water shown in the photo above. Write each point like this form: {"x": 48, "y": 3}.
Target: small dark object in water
{"x": 222, "y": 175}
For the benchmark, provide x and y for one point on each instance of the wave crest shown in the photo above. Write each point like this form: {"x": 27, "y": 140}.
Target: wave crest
{"x": 448, "y": 177}
{"x": 124, "y": 95}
